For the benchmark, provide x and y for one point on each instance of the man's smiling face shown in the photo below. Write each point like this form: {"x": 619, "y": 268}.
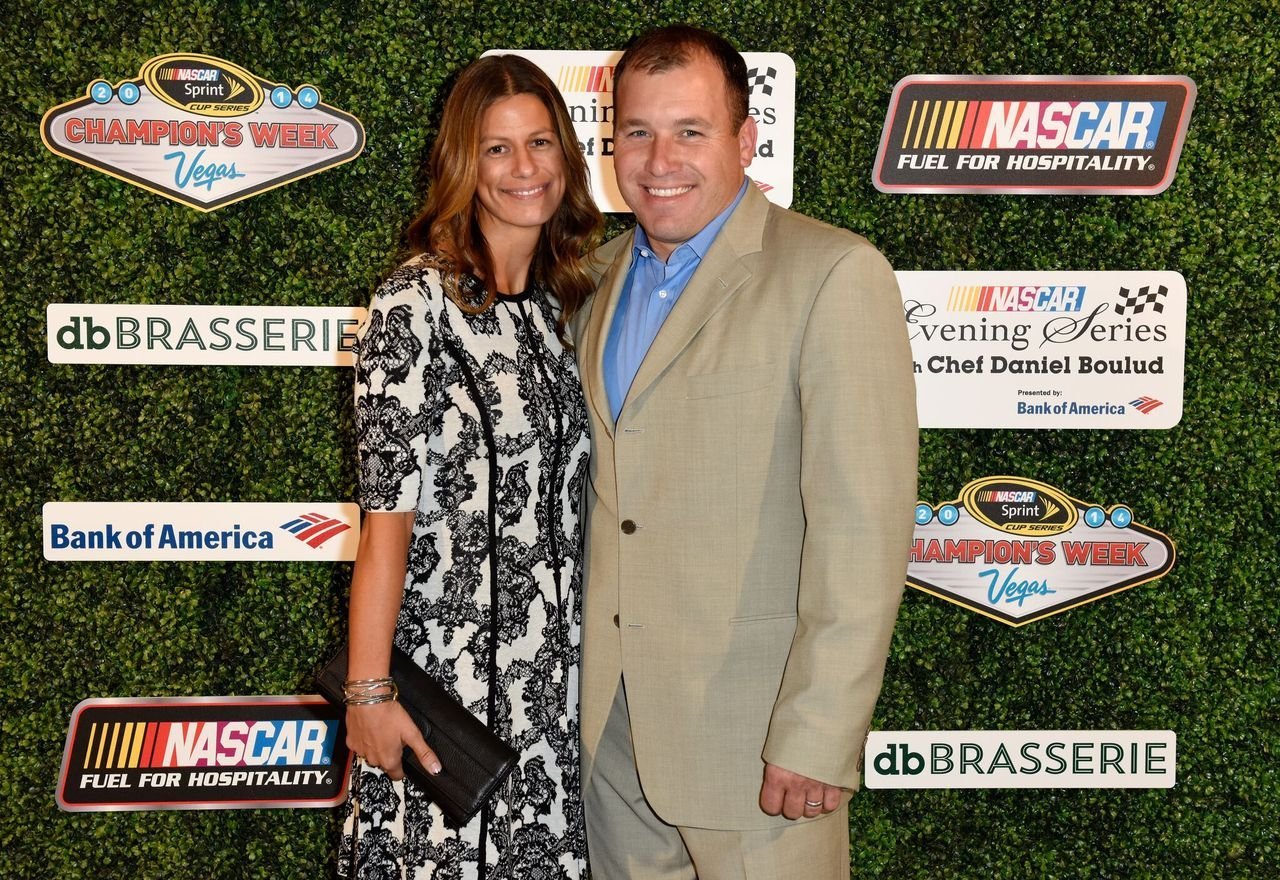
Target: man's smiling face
{"x": 678, "y": 156}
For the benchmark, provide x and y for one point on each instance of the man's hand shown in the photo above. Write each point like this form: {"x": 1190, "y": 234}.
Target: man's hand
{"x": 795, "y": 796}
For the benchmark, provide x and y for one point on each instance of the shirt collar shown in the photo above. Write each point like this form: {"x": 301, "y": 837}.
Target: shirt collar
{"x": 701, "y": 242}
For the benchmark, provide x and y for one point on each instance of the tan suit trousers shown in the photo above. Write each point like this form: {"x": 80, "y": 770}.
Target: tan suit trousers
{"x": 628, "y": 841}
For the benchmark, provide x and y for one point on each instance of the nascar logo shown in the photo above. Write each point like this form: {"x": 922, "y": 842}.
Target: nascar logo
{"x": 158, "y": 744}
{"x": 585, "y": 78}
{"x": 1011, "y": 125}
{"x": 1019, "y": 506}
{"x": 1016, "y": 298}
{"x": 995, "y": 496}
{"x": 193, "y": 74}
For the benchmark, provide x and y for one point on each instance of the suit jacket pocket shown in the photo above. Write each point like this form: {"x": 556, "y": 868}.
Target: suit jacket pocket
{"x": 762, "y": 618}
{"x": 725, "y": 382}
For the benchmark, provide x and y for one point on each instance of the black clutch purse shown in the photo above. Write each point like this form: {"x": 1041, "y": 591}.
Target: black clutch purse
{"x": 474, "y": 759}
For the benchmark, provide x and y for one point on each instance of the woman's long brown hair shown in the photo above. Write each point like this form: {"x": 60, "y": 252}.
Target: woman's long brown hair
{"x": 448, "y": 226}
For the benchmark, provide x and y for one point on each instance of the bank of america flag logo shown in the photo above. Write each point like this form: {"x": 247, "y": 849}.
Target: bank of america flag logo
{"x": 758, "y": 80}
{"x": 1145, "y": 405}
{"x": 314, "y": 529}
{"x": 1135, "y": 303}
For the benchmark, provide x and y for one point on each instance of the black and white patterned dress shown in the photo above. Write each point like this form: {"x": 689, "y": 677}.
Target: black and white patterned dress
{"x": 477, "y": 424}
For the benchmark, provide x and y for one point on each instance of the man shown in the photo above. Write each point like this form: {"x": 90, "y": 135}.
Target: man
{"x": 750, "y": 500}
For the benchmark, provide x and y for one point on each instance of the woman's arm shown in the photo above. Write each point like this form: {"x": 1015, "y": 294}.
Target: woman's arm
{"x": 379, "y": 732}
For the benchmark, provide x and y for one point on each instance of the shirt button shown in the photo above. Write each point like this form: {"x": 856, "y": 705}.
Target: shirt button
{"x": 628, "y": 527}
{"x": 662, "y": 294}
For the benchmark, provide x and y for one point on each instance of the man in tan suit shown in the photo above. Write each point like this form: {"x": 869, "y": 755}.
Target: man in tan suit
{"x": 750, "y": 502}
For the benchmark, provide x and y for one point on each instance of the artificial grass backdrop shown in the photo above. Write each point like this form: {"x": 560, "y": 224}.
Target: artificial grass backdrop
{"x": 1195, "y": 652}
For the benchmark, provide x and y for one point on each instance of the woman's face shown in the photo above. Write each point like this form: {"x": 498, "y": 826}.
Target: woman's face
{"x": 521, "y": 175}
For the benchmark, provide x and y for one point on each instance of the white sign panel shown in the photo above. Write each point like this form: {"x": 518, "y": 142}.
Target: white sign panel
{"x": 585, "y": 78}
{"x": 171, "y": 334}
{"x": 229, "y": 532}
{"x": 1047, "y": 349}
{"x": 1021, "y": 759}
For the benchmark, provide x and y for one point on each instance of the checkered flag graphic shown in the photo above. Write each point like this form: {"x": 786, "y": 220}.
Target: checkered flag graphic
{"x": 756, "y": 78}
{"x": 1136, "y": 303}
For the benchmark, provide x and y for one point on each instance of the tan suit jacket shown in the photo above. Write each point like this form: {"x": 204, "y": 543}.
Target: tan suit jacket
{"x": 749, "y": 515}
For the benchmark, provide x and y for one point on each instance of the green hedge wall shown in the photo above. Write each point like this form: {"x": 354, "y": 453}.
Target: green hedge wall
{"x": 1195, "y": 652}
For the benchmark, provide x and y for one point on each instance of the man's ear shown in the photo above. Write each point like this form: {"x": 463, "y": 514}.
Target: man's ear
{"x": 747, "y": 140}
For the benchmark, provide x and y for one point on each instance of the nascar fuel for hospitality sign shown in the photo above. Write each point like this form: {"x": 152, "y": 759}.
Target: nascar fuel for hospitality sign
{"x": 203, "y": 753}
{"x": 1119, "y": 135}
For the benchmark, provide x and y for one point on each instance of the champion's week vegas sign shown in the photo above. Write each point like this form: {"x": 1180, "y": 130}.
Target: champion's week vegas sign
{"x": 1019, "y": 550}
{"x": 1118, "y": 135}
{"x": 202, "y": 131}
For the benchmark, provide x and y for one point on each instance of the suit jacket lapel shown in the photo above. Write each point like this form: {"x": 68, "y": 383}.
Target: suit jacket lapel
{"x": 718, "y": 277}
{"x": 603, "y": 308}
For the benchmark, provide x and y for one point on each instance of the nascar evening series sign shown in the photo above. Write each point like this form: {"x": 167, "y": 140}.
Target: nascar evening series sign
{"x": 1083, "y": 135}
{"x": 585, "y": 78}
{"x": 1047, "y": 349}
{"x": 203, "y": 753}
{"x": 1021, "y": 759}
{"x": 173, "y": 334}
{"x": 1019, "y": 550}
{"x": 230, "y": 532}
{"x": 202, "y": 131}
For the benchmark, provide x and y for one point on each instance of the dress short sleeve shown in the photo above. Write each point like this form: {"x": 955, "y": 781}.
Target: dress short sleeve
{"x": 392, "y": 355}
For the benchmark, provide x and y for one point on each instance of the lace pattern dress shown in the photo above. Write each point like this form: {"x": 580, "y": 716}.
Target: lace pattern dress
{"x": 476, "y": 423}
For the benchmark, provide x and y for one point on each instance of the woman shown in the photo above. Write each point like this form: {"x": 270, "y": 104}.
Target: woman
{"x": 472, "y": 436}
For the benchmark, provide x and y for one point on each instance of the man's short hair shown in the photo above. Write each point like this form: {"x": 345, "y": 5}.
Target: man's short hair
{"x": 674, "y": 46}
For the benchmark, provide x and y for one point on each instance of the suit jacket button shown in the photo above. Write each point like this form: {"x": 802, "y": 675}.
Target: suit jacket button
{"x": 628, "y": 527}
{"x": 615, "y": 621}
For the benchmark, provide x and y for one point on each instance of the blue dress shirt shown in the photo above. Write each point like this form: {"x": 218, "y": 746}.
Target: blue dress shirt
{"x": 648, "y": 295}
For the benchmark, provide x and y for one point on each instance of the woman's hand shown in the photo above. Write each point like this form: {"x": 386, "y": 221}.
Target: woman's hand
{"x": 380, "y": 732}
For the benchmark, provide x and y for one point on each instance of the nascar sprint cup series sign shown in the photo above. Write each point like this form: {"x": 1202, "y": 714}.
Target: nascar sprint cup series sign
{"x": 1019, "y": 550}
{"x": 202, "y": 131}
{"x": 1119, "y": 135}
